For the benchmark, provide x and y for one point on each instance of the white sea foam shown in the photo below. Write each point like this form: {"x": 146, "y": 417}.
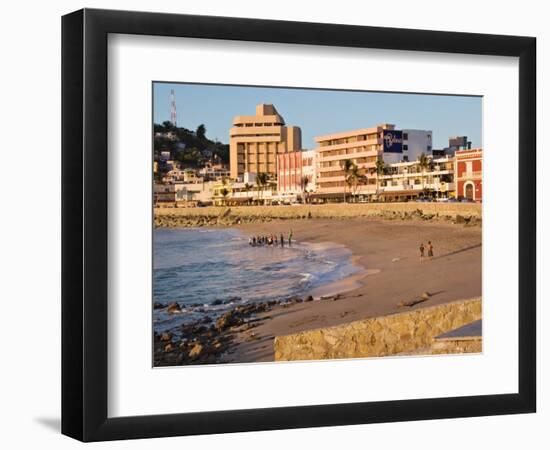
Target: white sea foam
{"x": 201, "y": 266}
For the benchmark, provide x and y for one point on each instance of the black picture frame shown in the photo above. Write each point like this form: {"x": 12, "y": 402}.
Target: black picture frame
{"x": 84, "y": 224}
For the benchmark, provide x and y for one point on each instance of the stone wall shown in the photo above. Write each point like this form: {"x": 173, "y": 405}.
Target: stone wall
{"x": 473, "y": 345}
{"x": 378, "y": 336}
{"x": 216, "y": 215}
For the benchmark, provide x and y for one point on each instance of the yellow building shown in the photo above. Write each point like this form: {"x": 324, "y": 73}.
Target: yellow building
{"x": 255, "y": 141}
{"x": 221, "y": 193}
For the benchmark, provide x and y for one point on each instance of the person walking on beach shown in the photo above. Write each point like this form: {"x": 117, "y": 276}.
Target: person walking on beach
{"x": 290, "y": 238}
{"x": 430, "y": 250}
{"x": 421, "y": 251}
{"x": 282, "y": 240}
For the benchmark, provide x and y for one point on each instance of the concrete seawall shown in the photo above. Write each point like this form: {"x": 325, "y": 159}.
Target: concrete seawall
{"x": 212, "y": 215}
{"x": 378, "y": 336}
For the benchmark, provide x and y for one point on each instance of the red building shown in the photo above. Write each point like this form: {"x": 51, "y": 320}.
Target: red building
{"x": 468, "y": 174}
{"x": 289, "y": 172}
{"x": 292, "y": 167}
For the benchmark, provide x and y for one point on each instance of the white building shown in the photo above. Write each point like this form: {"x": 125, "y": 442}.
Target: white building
{"x": 406, "y": 145}
{"x": 216, "y": 173}
{"x": 408, "y": 180}
{"x": 416, "y": 142}
{"x": 177, "y": 175}
{"x": 173, "y": 192}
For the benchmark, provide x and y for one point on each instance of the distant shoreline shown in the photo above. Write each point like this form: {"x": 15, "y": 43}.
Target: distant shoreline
{"x": 460, "y": 213}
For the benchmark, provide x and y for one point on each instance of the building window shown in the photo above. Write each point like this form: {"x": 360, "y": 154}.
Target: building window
{"x": 405, "y": 147}
{"x": 405, "y": 136}
{"x": 429, "y": 147}
{"x": 406, "y": 158}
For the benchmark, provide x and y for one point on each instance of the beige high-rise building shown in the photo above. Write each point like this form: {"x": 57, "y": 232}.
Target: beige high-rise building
{"x": 363, "y": 147}
{"x": 255, "y": 141}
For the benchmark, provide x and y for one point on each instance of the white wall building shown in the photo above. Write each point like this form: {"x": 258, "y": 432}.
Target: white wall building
{"x": 214, "y": 173}
{"x": 171, "y": 192}
{"x": 416, "y": 142}
{"x": 407, "y": 180}
{"x": 406, "y": 145}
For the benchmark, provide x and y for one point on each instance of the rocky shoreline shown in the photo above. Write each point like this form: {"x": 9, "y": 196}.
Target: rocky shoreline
{"x": 227, "y": 218}
{"x": 207, "y": 341}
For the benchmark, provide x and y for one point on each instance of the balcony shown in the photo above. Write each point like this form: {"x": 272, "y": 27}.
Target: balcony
{"x": 470, "y": 175}
{"x": 354, "y": 155}
{"x": 326, "y": 148}
{"x": 366, "y": 165}
{"x": 335, "y": 168}
{"x": 330, "y": 179}
{"x": 438, "y": 187}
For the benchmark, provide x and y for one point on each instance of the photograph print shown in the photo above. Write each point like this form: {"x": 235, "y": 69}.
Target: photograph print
{"x": 295, "y": 224}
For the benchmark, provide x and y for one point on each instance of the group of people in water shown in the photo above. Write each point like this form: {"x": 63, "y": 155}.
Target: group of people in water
{"x": 430, "y": 249}
{"x": 270, "y": 240}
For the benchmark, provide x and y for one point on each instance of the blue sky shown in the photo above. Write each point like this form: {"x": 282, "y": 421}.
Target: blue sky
{"x": 319, "y": 112}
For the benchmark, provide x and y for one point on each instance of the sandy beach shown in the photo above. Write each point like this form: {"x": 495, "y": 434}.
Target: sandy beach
{"x": 393, "y": 274}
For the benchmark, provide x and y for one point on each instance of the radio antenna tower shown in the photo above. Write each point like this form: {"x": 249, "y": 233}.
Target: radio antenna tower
{"x": 173, "y": 114}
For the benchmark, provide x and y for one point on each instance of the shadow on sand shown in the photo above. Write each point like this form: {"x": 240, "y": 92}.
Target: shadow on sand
{"x": 460, "y": 250}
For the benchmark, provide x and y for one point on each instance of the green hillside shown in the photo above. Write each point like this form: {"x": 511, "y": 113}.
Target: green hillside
{"x": 191, "y": 148}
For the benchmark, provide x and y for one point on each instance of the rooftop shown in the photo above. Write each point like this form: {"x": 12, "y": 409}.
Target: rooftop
{"x": 361, "y": 131}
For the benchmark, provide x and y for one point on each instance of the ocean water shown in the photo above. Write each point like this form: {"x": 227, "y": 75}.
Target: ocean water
{"x": 208, "y": 271}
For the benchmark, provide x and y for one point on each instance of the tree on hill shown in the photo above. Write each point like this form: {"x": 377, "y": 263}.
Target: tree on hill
{"x": 168, "y": 126}
{"x": 196, "y": 144}
{"x": 190, "y": 157}
{"x": 201, "y": 131}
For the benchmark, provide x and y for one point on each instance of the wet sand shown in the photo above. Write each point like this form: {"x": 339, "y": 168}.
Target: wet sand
{"x": 389, "y": 253}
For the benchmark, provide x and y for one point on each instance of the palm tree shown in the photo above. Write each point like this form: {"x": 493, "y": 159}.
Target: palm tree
{"x": 224, "y": 192}
{"x": 261, "y": 181}
{"x": 346, "y": 167}
{"x": 424, "y": 163}
{"x": 247, "y": 188}
{"x": 354, "y": 177}
{"x": 380, "y": 170}
{"x": 304, "y": 182}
